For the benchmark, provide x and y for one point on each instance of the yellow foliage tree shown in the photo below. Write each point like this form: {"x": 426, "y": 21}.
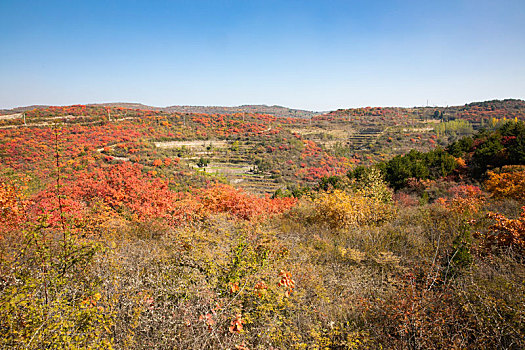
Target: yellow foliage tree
{"x": 508, "y": 184}
{"x": 340, "y": 209}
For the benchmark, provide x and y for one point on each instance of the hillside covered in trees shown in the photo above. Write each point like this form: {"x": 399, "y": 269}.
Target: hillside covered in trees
{"x": 356, "y": 229}
{"x": 277, "y": 111}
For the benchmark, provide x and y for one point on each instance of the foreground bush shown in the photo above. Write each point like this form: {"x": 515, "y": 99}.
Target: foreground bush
{"x": 48, "y": 298}
{"x": 340, "y": 209}
{"x": 416, "y": 280}
{"x": 124, "y": 191}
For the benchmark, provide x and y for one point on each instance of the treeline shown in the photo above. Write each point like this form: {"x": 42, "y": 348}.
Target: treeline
{"x": 492, "y": 149}
{"x": 470, "y": 156}
{"x": 454, "y": 127}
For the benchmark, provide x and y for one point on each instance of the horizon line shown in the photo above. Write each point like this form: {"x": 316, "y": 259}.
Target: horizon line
{"x": 261, "y": 104}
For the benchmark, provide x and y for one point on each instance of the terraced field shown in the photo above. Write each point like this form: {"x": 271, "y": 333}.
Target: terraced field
{"x": 259, "y": 153}
{"x": 232, "y": 160}
{"x": 237, "y": 162}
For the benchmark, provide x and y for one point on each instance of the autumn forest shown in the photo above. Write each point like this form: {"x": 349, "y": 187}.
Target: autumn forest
{"x": 363, "y": 228}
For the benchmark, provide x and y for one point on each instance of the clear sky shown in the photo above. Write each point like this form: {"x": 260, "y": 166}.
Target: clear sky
{"x": 311, "y": 54}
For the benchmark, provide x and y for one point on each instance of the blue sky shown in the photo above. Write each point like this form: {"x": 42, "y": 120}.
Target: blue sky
{"x": 318, "y": 54}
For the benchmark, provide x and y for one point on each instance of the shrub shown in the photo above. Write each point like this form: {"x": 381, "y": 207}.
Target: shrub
{"x": 12, "y": 204}
{"x": 47, "y": 297}
{"x": 371, "y": 184}
{"x": 239, "y": 204}
{"x": 505, "y": 233}
{"x": 430, "y": 165}
{"x": 340, "y": 209}
{"x": 510, "y": 183}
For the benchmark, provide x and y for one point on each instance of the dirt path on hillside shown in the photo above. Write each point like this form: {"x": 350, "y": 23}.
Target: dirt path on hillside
{"x": 192, "y": 144}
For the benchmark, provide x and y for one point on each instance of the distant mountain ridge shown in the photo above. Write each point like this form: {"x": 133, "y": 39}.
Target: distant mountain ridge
{"x": 277, "y": 111}
{"x": 508, "y": 105}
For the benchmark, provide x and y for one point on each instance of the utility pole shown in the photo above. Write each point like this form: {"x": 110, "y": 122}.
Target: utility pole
{"x": 24, "y": 115}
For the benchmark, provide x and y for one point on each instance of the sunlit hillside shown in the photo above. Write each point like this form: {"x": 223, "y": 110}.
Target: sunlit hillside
{"x": 360, "y": 228}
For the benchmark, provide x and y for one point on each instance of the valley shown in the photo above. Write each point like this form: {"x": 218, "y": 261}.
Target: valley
{"x": 347, "y": 229}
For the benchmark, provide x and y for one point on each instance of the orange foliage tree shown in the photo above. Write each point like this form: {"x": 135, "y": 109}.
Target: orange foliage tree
{"x": 124, "y": 189}
{"x": 466, "y": 199}
{"x": 506, "y": 233}
{"x": 12, "y": 204}
{"x": 507, "y": 184}
{"x": 227, "y": 199}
